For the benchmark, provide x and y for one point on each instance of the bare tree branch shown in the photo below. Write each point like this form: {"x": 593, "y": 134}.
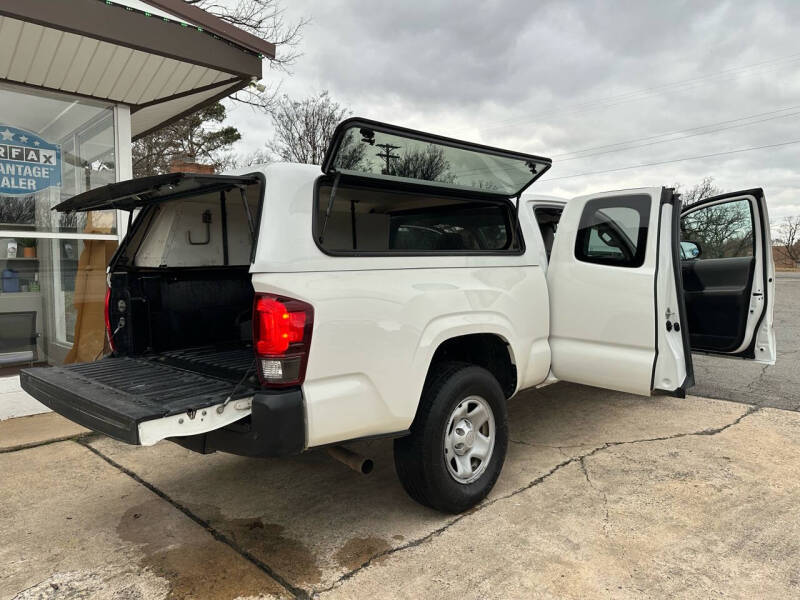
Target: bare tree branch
{"x": 704, "y": 189}
{"x": 303, "y": 129}
{"x": 264, "y": 19}
{"x": 788, "y": 239}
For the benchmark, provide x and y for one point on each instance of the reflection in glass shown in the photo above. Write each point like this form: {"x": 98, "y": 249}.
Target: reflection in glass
{"x": 368, "y": 151}
{"x": 53, "y": 285}
{"x": 85, "y": 133}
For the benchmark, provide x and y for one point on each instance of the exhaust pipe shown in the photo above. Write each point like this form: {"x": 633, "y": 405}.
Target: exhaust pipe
{"x": 355, "y": 461}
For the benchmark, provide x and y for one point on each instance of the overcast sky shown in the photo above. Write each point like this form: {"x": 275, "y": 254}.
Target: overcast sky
{"x": 553, "y": 78}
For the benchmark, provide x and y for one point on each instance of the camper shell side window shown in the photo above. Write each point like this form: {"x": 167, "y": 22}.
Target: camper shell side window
{"x": 411, "y": 220}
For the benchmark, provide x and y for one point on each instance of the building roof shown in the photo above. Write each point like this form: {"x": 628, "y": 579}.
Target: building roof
{"x": 163, "y": 58}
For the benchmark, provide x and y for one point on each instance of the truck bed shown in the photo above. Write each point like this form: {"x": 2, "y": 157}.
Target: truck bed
{"x": 115, "y": 395}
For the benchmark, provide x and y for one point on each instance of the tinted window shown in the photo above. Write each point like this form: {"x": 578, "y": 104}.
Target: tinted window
{"x": 613, "y": 231}
{"x": 393, "y": 153}
{"x": 377, "y": 220}
{"x": 720, "y": 231}
{"x": 547, "y": 218}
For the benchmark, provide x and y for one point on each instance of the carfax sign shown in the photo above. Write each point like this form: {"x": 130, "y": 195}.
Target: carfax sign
{"x": 28, "y": 163}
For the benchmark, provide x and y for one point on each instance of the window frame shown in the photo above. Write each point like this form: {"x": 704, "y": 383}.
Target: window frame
{"x": 365, "y": 183}
{"x": 591, "y": 207}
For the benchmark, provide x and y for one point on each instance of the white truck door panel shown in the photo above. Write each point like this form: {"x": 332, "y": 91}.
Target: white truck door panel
{"x": 729, "y": 276}
{"x": 606, "y": 324}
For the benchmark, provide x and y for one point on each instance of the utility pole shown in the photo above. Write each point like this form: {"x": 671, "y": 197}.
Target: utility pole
{"x": 387, "y": 155}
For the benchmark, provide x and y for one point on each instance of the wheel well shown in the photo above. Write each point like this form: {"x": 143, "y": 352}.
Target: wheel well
{"x": 486, "y": 350}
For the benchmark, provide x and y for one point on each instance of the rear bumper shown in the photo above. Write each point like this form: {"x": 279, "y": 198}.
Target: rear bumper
{"x": 275, "y": 427}
{"x": 270, "y": 423}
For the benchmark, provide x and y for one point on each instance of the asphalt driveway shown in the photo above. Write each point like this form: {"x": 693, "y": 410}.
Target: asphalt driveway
{"x": 742, "y": 381}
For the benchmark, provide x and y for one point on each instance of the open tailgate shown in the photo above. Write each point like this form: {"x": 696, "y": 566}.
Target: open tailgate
{"x": 135, "y": 399}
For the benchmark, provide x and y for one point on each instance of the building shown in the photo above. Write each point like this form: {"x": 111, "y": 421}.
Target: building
{"x": 79, "y": 81}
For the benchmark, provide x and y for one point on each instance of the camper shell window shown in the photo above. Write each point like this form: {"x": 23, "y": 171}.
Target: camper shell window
{"x": 372, "y": 219}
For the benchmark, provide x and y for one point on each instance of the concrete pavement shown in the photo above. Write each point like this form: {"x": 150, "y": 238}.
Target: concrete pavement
{"x": 603, "y": 494}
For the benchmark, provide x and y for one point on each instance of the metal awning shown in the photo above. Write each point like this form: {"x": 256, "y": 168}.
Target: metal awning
{"x": 163, "y": 58}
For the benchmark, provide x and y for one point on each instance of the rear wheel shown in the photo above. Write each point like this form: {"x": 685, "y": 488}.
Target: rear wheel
{"x": 455, "y": 451}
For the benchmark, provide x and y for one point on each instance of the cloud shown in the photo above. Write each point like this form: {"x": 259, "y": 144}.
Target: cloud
{"x": 552, "y": 77}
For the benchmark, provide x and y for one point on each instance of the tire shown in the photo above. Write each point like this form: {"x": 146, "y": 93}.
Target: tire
{"x": 430, "y": 475}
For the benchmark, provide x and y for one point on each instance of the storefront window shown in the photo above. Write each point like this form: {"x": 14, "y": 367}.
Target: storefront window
{"x": 53, "y": 147}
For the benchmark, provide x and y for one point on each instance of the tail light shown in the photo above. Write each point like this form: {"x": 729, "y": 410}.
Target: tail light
{"x": 109, "y": 331}
{"x": 281, "y": 339}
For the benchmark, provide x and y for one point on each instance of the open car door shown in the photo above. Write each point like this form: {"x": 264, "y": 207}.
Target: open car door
{"x": 616, "y": 306}
{"x": 729, "y": 276}
{"x": 636, "y": 286}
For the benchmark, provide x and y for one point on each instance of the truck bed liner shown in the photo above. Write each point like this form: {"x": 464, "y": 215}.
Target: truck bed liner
{"x": 229, "y": 363}
{"x": 114, "y": 395}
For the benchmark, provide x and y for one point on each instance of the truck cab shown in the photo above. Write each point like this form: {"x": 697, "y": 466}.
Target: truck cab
{"x": 406, "y": 288}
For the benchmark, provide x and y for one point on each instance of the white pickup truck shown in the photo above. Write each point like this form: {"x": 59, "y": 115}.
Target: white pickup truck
{"x": 407, "y": 290}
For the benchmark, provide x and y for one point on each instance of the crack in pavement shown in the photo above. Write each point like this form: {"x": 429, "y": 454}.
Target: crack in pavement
{"x": 216, "y": 534}
{"x": 534, "y": 445}
{"x": 544, "y": 477}
{"x": 90, "y": 435}
{"x": 606, "y": 519}
{"x": 755, "y": 382}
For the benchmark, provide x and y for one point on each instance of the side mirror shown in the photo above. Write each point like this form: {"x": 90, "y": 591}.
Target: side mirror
{"x": 690, "y": 250}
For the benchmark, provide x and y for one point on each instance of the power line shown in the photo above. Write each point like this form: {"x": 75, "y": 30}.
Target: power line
{"x": 668, "y": 133}
{"x": 674, "y": 160}
{"x": 735, "y": 124}
{"x": 387, "y": 156}
{"x": 615, "y": 99}
{"x": 664, "y": 138}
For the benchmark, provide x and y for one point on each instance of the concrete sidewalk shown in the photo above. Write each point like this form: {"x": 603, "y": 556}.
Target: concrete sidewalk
{"x": 602, "y": 495}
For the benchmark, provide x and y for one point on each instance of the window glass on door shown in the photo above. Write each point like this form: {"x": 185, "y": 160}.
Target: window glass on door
{"x": 613, "y": 231}
{"x": 718, "y": 231}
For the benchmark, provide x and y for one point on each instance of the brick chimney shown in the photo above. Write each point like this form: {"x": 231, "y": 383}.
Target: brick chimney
{"x": 186, "y": 164}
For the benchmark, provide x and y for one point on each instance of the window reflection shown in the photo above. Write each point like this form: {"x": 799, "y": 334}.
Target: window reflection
{"x": 368, "y": 150}
{"x": 53, "y": 264}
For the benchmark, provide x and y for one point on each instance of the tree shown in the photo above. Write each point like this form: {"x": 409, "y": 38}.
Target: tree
{"x": 702, "y": 190}
{"x": 429, "y": 164}
{"x": 788, "y": 239}
{"x": 303, "y": 130}
{"x": 232, "y": 160}
{"x": 18, "y": 210}
{"x": 264, "y": 19}
{"x": 722, "y": 231}
{"x": 198, "y": 137}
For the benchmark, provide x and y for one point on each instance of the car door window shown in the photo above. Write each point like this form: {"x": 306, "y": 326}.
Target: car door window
{"x": 719, "y": 231}
{"x": 613, "y": 231}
